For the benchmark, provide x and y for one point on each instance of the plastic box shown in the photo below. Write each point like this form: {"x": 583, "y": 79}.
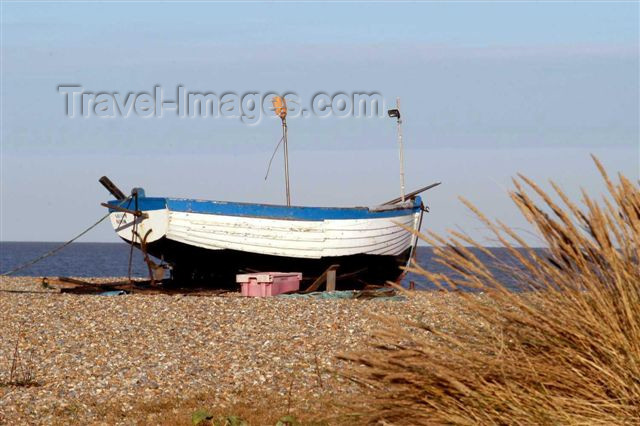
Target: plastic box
{"x": 265, "y": 284}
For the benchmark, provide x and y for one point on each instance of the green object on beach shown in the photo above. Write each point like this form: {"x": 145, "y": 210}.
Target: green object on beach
{"x": 200, "y": 416}
{"x": 288, "y": 421}
{"x": 231, "y": 421}
{"x": 345, "y": 294}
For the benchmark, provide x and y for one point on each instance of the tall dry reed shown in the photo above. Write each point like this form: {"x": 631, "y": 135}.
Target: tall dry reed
{"x": 566, "y": 352}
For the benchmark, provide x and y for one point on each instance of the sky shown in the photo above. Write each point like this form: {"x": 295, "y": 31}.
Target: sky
{"x": 487, "y": 90}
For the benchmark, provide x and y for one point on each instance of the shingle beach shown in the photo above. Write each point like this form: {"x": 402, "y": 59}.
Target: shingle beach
{"x": 153, "y": 359}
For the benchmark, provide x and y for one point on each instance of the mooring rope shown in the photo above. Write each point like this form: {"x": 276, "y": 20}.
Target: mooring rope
{"x": 57, "y": 249}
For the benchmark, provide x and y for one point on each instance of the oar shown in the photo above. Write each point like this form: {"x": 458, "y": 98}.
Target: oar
{"x": 412, "y": 194}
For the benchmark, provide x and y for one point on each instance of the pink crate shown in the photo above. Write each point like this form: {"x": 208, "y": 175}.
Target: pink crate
{"x": 265, "y": 284}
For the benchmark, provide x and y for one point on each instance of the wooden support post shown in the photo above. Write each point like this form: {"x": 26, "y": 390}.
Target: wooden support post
{"x": 323, "y": 278}
{"x": 331, "y": 280}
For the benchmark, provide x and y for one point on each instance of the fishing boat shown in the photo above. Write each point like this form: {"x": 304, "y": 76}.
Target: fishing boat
{"x": 210, "y": 241}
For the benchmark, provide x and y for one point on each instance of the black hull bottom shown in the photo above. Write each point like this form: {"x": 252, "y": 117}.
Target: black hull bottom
{"x": 192, "y": 264}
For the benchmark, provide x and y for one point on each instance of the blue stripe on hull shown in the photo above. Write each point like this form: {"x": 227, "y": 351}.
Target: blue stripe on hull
{"x": 267, "y": 210}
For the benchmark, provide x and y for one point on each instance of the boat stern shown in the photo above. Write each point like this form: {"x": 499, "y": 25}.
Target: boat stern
{"x": 139, "y": 219}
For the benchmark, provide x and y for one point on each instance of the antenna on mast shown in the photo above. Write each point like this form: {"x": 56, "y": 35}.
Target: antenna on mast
{"x": 280, "y": 106}
{"x": 396, "y": 113}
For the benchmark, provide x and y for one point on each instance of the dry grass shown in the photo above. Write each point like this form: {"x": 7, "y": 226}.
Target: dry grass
{"x": 254, "y": 406}
{"x": 566, "y": 353}
{"x": 21, "y": 372}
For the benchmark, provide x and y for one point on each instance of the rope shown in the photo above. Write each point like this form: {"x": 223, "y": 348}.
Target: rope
{"x": 273, "y": 155}
{"x": 134, "y": 233}
{"x": 57, "y": 249}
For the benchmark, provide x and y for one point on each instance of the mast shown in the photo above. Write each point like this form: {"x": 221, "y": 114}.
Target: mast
{"x": 280, "y": 107}
{"x": 286, "y": 160}
{"x": 396, "y": 113}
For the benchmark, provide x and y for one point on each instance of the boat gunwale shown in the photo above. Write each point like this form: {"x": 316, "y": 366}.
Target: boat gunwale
{"x": 271, "y": 211}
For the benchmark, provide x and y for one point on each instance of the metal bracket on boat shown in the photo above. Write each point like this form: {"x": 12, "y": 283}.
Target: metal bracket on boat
{"x": 156, "y": 272}
{"x": 136, "y": 213}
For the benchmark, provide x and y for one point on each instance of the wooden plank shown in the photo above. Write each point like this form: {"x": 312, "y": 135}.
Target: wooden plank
{"x": 322, "y": 278}
{"x": 112, "y": 188}
{"x": 136, "y": 213}
{"x": 331, "y": 280}
{"x": 412, "y": 194}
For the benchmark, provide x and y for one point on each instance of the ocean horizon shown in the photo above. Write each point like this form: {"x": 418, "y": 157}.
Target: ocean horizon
{"x": 111, "y": 259}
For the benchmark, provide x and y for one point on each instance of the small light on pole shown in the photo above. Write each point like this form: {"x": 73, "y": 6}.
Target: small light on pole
{"x": 395, "y": 113}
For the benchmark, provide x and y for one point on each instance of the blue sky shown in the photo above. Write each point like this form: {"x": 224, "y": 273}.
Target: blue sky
{"x": 487, "y": 89}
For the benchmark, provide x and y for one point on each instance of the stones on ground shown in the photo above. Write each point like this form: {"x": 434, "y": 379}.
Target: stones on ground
{"x": 90, "y": 352}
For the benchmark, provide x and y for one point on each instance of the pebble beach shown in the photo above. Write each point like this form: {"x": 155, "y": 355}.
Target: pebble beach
{"x": 154, "y": 359}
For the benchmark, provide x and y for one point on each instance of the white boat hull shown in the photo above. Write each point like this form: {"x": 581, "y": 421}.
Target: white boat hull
{"x": 169, "y": 233}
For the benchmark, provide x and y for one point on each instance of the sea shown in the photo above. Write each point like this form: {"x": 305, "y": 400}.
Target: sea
{"x": 112, "y": 260}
